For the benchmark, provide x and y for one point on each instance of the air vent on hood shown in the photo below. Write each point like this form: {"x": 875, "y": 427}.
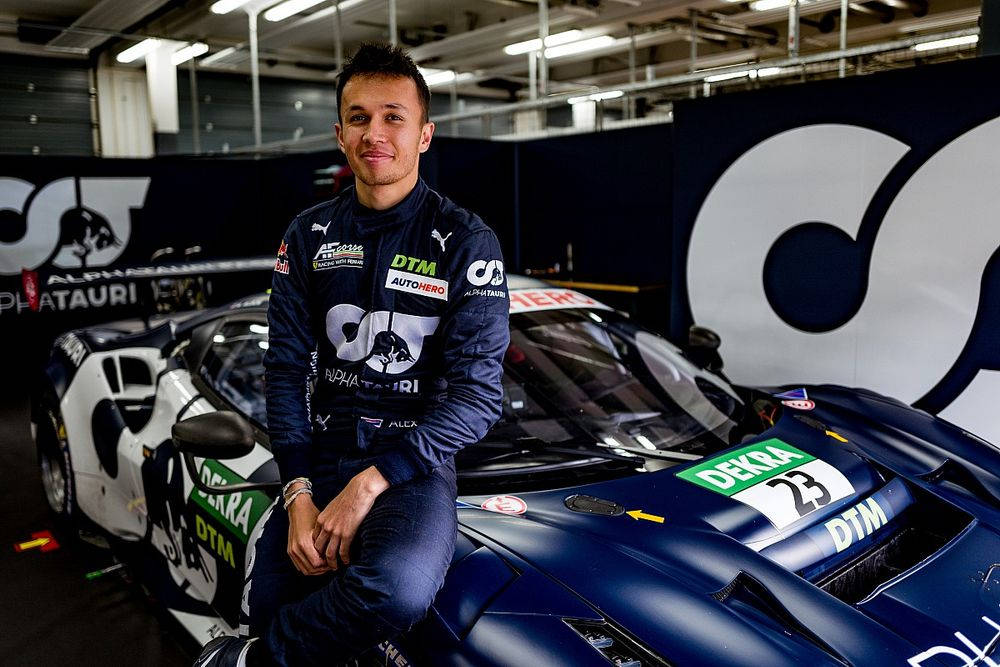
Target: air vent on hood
{"x": 923, "y": 529}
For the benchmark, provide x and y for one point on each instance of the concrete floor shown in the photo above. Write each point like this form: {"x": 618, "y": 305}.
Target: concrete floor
{"x": 49, "y": 613}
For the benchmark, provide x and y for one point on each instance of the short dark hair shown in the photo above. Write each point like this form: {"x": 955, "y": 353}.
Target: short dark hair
{"x": 379, "y": 59}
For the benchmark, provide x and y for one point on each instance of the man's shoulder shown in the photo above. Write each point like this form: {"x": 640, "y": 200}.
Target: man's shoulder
{"x": 323, "y": 211}
{"x": 452, "y": 218}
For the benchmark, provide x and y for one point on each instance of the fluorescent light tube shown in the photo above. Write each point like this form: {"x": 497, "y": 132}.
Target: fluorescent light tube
{"x": 218, "y": 55}
{"x": 769, "y": 71}
{"x": 579, "y": 47}
{"x": 764, "y": 5}
{"x": 288, "y": 8}
{"x": 945, "y": 43}
{"x": 596, "y": 97}
{"x": 715, "y": 78}
{"x": 140, "y": 50}
{"x": 535, "y": 44}
{"x": 188, "y": 52}
{"x": 226, "y": 6}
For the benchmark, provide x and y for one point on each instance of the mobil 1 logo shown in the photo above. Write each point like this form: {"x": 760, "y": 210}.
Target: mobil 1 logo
{"x": 778, "y": 480}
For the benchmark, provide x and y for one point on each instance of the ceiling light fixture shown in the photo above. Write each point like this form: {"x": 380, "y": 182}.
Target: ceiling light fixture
{"x": 291, "y": 7}
{"x": 188, "y": 52}
{"x": 226, "y": 6}
{"x": 769, "y": 71}
{"x": 579, "y": 47}
{"x": 715, "y": 78}
{"x": 596, "y": 97}
{"x": 535, "y": 44}
{"x": 764, "y": 5}
{"x": 945, "y": 43}
{"x": 140, "y": 50}
{"x": 218, "y": 55}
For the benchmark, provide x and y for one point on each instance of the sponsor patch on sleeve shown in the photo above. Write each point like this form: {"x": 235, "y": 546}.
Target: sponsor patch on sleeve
{"x": 778, "y": 480}
{"x": 416, "y": 284}
{"x": 281, "y": 263}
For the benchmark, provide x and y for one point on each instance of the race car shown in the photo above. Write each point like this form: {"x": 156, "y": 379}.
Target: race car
{"x": 631, "y": 507}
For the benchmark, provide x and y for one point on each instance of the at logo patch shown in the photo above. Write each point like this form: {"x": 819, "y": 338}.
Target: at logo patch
{"x": 421, "y": 266}
{"x": 415, "y": 284}
{"x": 336, "y": 255}
{"x": 482, "y": 272}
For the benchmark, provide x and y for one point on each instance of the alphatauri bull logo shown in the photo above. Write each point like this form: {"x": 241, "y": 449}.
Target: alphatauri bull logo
{"x": 387, "y": 342}
{"x": 85, "y": 231}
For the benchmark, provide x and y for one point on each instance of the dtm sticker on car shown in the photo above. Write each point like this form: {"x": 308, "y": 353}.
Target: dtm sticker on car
{"x": 778, "y": 480}
{"x": 232, "y": 514}
{"x": 416, "y": 284}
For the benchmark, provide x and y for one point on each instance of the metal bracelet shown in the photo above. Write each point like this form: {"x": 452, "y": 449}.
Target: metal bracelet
{"x": 304, "y": 480}
{"x": 295, "y": 494}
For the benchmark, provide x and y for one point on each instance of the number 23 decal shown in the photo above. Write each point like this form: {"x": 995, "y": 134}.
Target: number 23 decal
{"x": 799, "y": 482}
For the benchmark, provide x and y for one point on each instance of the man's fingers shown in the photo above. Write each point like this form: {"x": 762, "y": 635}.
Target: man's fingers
{"x": 345, "y": 549}
{"x": 331, "y": 552}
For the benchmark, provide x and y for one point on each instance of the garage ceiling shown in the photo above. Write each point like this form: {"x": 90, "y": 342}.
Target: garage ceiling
{"x": 468, "y": 36}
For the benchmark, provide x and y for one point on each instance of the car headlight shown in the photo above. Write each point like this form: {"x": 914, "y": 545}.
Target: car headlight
{"x": 615, "y": 644}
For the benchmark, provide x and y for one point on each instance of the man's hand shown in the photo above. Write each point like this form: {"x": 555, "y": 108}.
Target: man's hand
{"x": 338, "y": 522}
{"x": 302, "y": 515}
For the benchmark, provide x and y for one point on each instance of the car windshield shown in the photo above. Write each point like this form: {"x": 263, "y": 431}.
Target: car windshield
{"x": 592, "y": 375}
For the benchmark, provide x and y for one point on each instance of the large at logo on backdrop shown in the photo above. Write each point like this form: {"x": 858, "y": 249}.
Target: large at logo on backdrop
{"x": 848, "y": 232}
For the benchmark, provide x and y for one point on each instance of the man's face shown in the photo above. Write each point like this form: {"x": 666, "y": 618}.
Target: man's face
{"x": 381, "y": 129}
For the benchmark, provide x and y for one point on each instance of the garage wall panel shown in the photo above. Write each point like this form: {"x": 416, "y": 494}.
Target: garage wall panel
{"x": 45, "y": 106}
{"x": 847, "y": 231}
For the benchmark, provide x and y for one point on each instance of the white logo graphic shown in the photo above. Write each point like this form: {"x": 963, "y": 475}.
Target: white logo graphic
{"x": 436, "y": 235}
{"x": 75, "y": 222}
{"x": 913, "y": 309}
{"x": 320, "y": 228}
{"x": 417, "y": 284}
{"x": 975, "y": 656}
{"x": 387, "y": 342}
{"x": 481, "y": 272}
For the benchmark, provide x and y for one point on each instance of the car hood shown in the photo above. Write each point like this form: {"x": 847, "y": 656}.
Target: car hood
{"x": 889, "y": 569}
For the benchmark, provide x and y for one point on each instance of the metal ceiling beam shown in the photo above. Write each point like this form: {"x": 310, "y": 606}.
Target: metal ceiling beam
{"x": 112, "y": 15}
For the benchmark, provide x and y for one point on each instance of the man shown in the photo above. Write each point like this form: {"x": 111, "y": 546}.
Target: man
{"x": 398, "y": 298}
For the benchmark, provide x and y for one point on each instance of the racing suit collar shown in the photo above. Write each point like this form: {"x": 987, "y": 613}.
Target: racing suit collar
{"x": 368, "y": 221}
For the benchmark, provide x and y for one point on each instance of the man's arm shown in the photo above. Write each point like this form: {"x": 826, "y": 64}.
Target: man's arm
{"x": 287, "y": 365}
{"x": 475, "y": 334}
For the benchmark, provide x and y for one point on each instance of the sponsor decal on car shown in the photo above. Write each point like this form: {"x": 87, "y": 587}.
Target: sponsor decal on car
{"x": 416, "y": 284}
{"x": 73, "y": 348}
{"x": 237, "y": 513}
{"x": 505, "y": 505}
{"x": 482, "y": 272}
{"x": 965, "y": 649}
{"x": 392, "y": 655}
{"x": 794, "y": 395}
{"x": 414, "y": 265}
{"x": 529, "y": 300}
{"x": 799, "y": 404}
{"x": 778, "y": 480}
{"x": 336, "y": 255}
{"x": 115, "y": 294}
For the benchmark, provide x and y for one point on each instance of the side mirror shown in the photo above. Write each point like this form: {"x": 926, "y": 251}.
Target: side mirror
{"x": 703, "y": 348}
{"x": 216, "y": 435}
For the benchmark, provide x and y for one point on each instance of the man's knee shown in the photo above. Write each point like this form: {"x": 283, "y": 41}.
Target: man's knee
{"x": 399, "y": 606}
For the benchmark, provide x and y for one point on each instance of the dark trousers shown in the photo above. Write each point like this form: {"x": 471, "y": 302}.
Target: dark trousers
{"x": 399, "y": 558}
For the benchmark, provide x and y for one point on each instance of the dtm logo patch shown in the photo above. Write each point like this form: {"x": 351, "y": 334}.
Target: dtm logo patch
{"x": 416, "y": 284}
{"x": 482, "y": 272}
{"x": 337, "y": 255}
{"x": 421, "y": 266}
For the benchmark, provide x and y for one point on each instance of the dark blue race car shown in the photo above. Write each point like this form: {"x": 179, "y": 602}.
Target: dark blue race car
{"x": 631, "y": 507}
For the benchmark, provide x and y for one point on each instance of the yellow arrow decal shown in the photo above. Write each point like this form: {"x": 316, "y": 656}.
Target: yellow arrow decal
{"x": 836, "y": 436}
{"x": 639, "y": 514}
{"x": 40, "y": 542}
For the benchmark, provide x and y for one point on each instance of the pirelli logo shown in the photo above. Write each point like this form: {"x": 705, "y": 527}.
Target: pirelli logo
{"x": 417, "y": 284}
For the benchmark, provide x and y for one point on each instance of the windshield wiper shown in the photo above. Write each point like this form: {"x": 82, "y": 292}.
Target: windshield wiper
{"x": 660, "y": 454}
{"x": 585, "y": 448}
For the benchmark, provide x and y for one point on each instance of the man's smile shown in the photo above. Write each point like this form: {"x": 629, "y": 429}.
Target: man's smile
{"x": 376, "y": 157}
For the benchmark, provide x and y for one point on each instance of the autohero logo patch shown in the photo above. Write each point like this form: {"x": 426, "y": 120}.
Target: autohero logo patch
{"x": 414, "y": 265}
{"x": 94, "y": 222}
{"x": 337, "y": 255}
{"x": 482, "y": 272}
{"x": 387, "y": 342}
{"x": 415, "y": 284}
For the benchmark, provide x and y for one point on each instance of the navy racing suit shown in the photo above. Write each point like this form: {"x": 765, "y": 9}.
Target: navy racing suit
{"x": 407, "y": 309}
{"x": 403, "y": 316}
